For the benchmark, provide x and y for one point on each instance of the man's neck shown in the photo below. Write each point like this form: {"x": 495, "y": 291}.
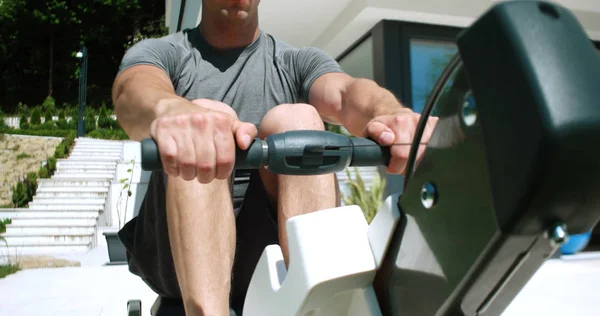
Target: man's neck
{"x": 223, "y": 35}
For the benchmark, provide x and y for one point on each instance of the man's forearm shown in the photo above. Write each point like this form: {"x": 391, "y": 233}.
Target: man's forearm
{"x": 140, "y": 95}
{"x": 364, "y": 100}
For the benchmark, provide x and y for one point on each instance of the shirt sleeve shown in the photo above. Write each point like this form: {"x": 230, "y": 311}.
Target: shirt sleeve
{"x": 155, "y": 52}
{"x": 309, "y": 64}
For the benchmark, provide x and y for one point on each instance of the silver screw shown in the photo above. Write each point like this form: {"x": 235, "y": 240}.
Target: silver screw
{"x": 558, "y": 235}
{"x": 469, "y": 110}
{"x": 428, "y": 195}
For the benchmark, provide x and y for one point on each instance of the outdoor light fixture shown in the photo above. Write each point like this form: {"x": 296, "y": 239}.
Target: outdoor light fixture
{"x": 79, "y": 55}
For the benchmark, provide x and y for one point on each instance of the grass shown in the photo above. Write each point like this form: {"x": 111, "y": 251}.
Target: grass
{"x": 8, "y": 269}
{"x": 22, "y": 156}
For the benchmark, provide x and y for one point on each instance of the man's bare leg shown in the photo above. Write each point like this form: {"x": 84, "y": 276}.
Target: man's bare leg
{"x": 295, "y": 195}
{"x": 201, "y": 226}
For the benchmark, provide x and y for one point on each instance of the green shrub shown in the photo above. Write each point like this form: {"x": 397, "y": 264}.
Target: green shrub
{"x": 8, "y": 269}
{"x": 368, "y": 200}
{"x": 19, "y": 194}
{"x": 61, "y": 115}
{"x": 3, "y": 223}
{"x": 23, "y": 122}
{"x": 110, "y": 134}
{"x": 90, "y": 122}
{"x": 22, "y": 109}
{"x": 63, "y": 124}
{"x": 2, "y": 123}
{"x": 36, "y": 116}
{"x": 51, "y": 165}
{"x": 43, "y": 173}
{"x": 49, "y": 105}
{"x": 48, "y": 117}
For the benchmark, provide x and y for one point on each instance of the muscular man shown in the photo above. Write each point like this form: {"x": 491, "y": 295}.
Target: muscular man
{"x": 200, "y": 92}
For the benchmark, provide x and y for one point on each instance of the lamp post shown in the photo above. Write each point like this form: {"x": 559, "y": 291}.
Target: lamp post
{"x": 82, "y": 55}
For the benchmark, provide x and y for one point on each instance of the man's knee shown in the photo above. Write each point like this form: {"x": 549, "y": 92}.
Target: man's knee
{"x": 288, "y": 117}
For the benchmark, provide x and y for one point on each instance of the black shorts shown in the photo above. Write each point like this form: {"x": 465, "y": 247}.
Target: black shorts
{"x": 149, "y": 253}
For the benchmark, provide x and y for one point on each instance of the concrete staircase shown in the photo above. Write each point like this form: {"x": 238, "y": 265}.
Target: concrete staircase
{"x": 67, "y": 209}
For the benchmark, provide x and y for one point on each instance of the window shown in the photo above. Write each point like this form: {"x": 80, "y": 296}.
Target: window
{"x": 427, "y": 61}
{"x": 358, "y": 63}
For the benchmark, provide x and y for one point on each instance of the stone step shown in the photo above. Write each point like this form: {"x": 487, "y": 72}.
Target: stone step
{"x": 117, "y": 148}
{"x": 86, "y": 176}
{"x": 25, "y": 213}
{"x": 26, "y": 239}
{"x": 94, "y": 158}
{"x": 48, "y": 249}
{"x": 53, "y": 222}
{"x": 68, "y": 170}
{"x": 75, "y": 190}
{"x": 62, "y": 195}
{"x": 66, "y": 207}
{"x": 68, "y": 200}
{"x": 50, "y": 230}
{"x": 77, "y": 162}
{"x": 73, "y": 183}
{"x": 95, "y": 154}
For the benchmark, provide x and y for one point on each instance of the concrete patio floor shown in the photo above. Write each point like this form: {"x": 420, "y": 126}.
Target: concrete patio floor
{"x": 568, "y": 286}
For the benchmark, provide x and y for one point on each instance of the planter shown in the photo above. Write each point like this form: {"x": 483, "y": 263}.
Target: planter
{"x": 116, "y": 250}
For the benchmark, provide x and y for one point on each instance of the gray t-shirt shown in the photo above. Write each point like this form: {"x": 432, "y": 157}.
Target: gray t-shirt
{"x": 252, "y": 80}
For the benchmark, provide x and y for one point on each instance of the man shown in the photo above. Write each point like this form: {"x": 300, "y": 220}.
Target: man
{"x": 201, "y": 92}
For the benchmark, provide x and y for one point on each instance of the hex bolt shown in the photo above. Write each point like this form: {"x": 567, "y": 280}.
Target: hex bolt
{"x": 558, "y": 235}
{"x": 429, "y": 195}
{"x": 469, "y": 110}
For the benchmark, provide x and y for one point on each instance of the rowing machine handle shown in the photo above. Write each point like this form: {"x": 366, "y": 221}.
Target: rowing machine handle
{"x": 304, "y": 152}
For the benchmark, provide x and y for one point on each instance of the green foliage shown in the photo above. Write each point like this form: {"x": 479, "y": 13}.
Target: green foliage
{"x": 41, "y": 37}
{"x": 8, "y": 269}
{"x": 369, "y": 200}
{"x": 49, "y": 105}
{"x": 125, "y": 190}
{"x": 111, "y": 134}
{"x": 36, "y": 118}
{"x": 90, "y": 122}
{"x": 3, "y": 223}
{"x": 23, "y": 122}
{"x": 23, "y": 156}
{"x": 51, "y": 165}
{"x": 2, "y": 123}
{"x": 43, "y": 173}
{"x": 24, "y": 191}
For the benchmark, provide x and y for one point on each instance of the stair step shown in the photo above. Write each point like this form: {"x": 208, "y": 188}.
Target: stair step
{"x": 78, "y": 148}
{"x": 71, "y": 170}
{"x": 94, "y": 158}
{"x": 74, "y": 190}
{"x": 48, "y": 249}
{"x": 97, "y": 153}
{"x": 53, "y": 222}
{"x": 14, "y": 213}
{"x": 62, "y": 195}
{"x": 50, "y": 230}
{"x": 72, "y": 183}
{"x": 68, "y": 162}
{"x": 68, "y": 200}
{"x": 24, "y": 239}
{"x": 88, "y": 175}
{"x": 66, "y": 207}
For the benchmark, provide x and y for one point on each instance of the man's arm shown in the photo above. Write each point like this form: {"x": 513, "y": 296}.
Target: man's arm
{"x": 143, "y": 89}
{"x": 351, "y": 102}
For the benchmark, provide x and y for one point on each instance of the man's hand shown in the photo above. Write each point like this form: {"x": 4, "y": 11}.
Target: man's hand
{"x": 399, "y": 128}
{"x": 197, "y": 141}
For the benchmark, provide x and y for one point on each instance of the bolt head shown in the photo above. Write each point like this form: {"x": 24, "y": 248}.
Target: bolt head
{"x": 428, "y": 195}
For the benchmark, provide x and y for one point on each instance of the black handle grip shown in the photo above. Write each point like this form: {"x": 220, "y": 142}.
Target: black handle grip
{"x": 296, "y": 153}
{"x": 251, "y": 158}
